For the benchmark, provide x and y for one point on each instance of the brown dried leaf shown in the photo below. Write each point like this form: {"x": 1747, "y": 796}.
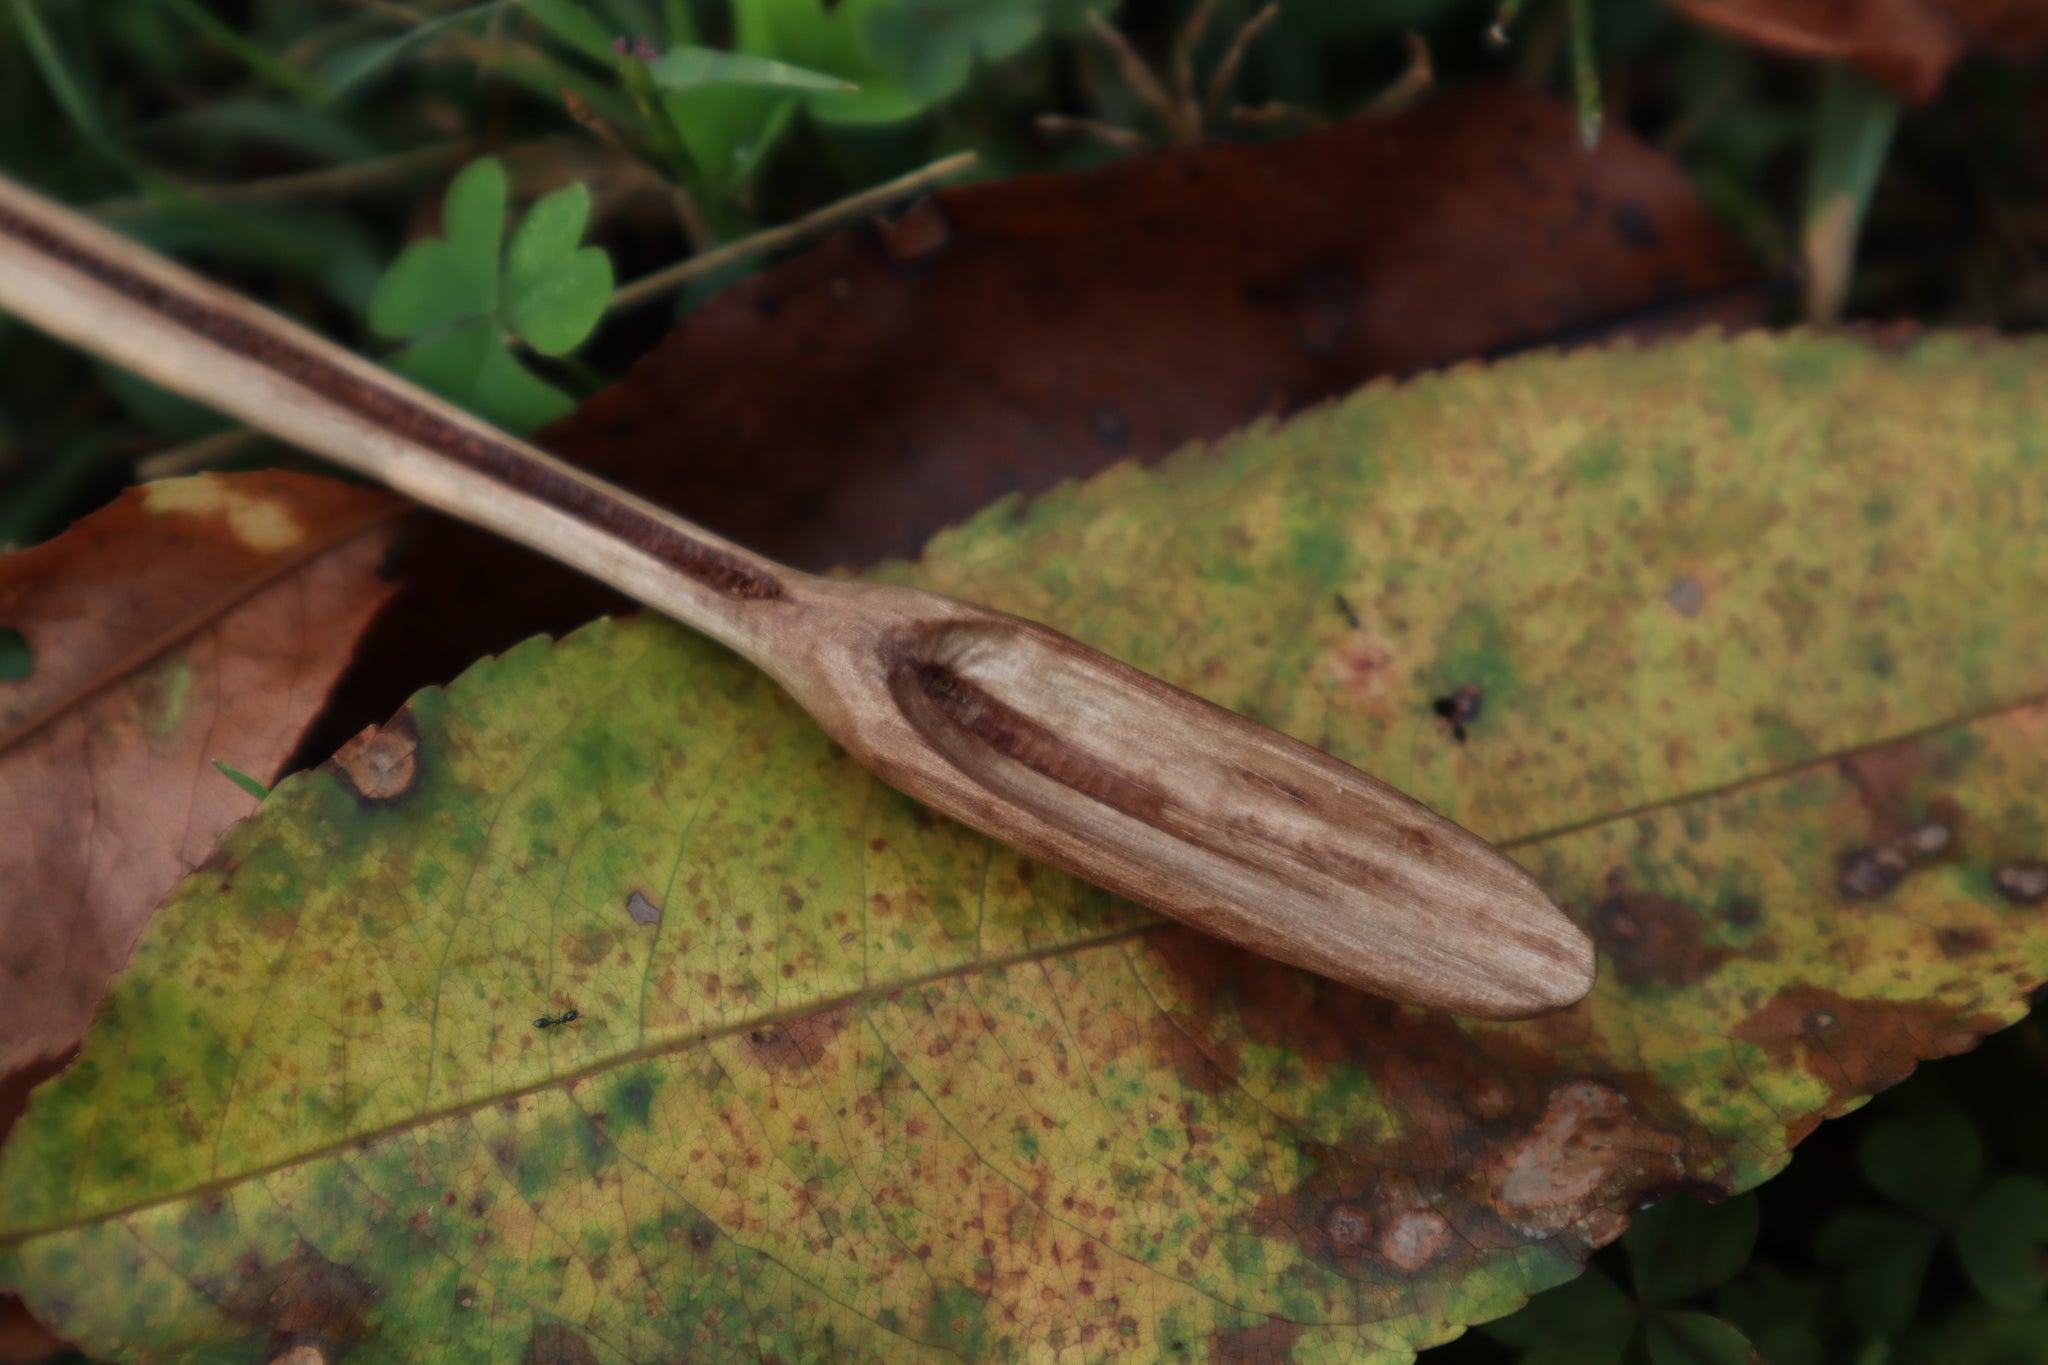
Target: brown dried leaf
{"x": 191, "y": 621}
{"x": 1908, "y": 44}
{"x": 1000, "y": 338}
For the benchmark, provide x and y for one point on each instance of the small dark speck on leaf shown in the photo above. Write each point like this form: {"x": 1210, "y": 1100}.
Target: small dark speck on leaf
{"x": 1461, "y": 708}
{"x": 1867, "y": 873}
{"x": 1634, "y": 226}
{"x": 1109, "y": 426}
{"x": 1687, "y": 596}
{"x": 2022, "y": 883}
{"x": 643, "y": 910}
{"x": 1349, "y": 1228}
{"x": 1926, "y": 840}
{"x": 17, "y": 660}
{"x": 1344, "y": 610}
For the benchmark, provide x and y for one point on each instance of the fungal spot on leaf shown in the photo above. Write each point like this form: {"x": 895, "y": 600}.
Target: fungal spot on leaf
{"x": 1348, "y": 1228}
{"x": 1687, "y": 596}
{"x": 465, "y": 1296}
{"x": 555, "y": 1343}
{"x": 2022, "y": 883}
{"x": 1461, "y": 708}
{"x": 1928, "y": 839}
{"x": 307, "y": 1300}
{"x": 1267, "y": 1343}
{"x": 801, "y": 1042}
{"x": 1325, "y": 306}
{"x": 1867, "y": 873}
{"x": 1488, "y": 1099}
{"x": 1580, "y": 1164}
{"x": 1414, "y": 1238}
{"x": 1955, "y": 942}
{"x": 1109, "y": 426}
{"x": 380, "y": 766}
{"x": 1854, "y": 1046}
{"x": 1633, "y": 225}
{"x": 643, "y": 910}
{"x": 1651, "y": 940}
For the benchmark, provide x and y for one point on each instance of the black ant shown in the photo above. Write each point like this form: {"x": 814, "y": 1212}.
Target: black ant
{"x": 550, "y": 1021}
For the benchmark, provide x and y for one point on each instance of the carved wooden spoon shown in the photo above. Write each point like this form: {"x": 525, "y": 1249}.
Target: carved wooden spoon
{"x": 1028, "y": 736}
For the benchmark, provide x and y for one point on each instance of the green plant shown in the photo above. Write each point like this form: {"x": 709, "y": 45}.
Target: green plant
{"x": 1676, "y": 1252}
{"x": 458, "y": 297}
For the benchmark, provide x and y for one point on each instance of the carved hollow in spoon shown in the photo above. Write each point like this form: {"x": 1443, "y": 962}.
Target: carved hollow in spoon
{"x": 1026, "y": 735}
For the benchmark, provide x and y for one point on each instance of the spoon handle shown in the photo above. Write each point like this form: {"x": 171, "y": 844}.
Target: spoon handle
{"x": 116, "y": 299}
{"x": 1030, "y": 737}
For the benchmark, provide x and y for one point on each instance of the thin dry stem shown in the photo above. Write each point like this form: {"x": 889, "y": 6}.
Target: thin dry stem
{"x": 833, "y": 215}
{"x": 1233, "y": 58}
{"x": 1184, "y": 63}
{"x": 1123, "y": 139}
{"x": 1411, "y": 85}
{"x": 1275, "y": 115}
{"x": 333, "y": 182}
{"x": 1139, "y": 77}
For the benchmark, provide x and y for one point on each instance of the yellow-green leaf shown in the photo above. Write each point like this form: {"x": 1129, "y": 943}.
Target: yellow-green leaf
{"x": 1741, "y": 637}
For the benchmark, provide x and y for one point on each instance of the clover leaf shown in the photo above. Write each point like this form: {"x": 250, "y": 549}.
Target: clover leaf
{"x": 458, "y": 295}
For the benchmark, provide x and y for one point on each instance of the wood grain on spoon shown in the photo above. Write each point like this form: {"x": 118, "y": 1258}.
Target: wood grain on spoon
{"x": 1030, "y": 737}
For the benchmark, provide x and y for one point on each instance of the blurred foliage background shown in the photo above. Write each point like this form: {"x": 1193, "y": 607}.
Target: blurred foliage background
{"x": 292, "y": 147}
{"x": 307, "y": 151}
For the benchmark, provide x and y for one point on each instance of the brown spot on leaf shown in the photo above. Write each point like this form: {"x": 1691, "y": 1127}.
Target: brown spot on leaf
{"x": 1414, "y": 1238}
{"x": 1586, "y": 1157}
{"x": 1267, "y": 1343}
{"x": 1652, "y": 940}
{"x": 797, "y": 1042}
{"x": 554, "y": 1343}
{"x": 1687, "y": 596}
{"x": 1867, "y": 873}
{"x": 380, "y": 766}
{"x": 307, "y": 1300}
{"x": 1634, "y": 226}
{"x": 1346, "y": 1228}
{"x": 1171, "y": 1047}
{"x": 590, "y": 948}
{"x": 1955, "y": 942}
{"x": 1856, "y": 1047}
{"x": 2024, "y": 883}
{"x": 1884, "y": 777}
